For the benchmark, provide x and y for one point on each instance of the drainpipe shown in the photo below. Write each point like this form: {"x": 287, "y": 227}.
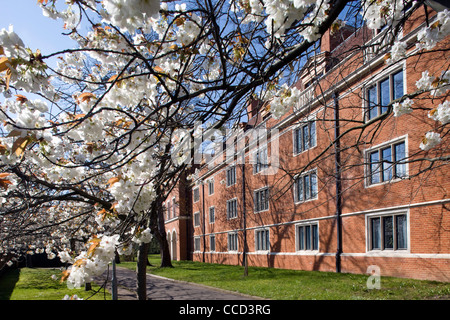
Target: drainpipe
{"x": 204, "y": 221}
{"x": 337, "y": 161}
{"x": 244, "y": 216}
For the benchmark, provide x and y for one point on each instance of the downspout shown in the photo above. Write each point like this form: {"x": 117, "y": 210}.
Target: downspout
{"x": 337, "y": 161}
{"x": 244, "y": 217}
{"x": 204, "y": 221}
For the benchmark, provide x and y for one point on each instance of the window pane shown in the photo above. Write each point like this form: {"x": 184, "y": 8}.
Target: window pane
{"x": 401, "y": 231}
{"x": 388, "y": 232}
{"x": 298, "y": 141}
{"x": 307, "y": 184}
{"x": 267, "y": 240}
{"x": 397, "y": 85}
{"x": 315, "y": 237}
{"x": 266, "y": 200}
{"x": 313, "y": 185}
{"x": 312, "y": 133}
{"x": 299, "y": 183}
{"x": 375, "y": 233}
{"x": 307, "y": 237}
{"x": 306, "y": 137}
{"x": 301, "y": 238}
{"x": 374, "y": 167}
{"x": 400, "y": 154}
{"x": 212, "y": 243}
{"x": 372, "y": 99}
{"x": 257, "y": 243}
{"x": 385, "y": 98}
{"x": 387, "y": 163}
{"x": 211, "y": 186}
{"x": 265, "y": 159}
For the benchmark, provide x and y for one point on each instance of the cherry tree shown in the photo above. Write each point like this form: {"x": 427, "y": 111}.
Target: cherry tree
{"x": 86, "y": 166}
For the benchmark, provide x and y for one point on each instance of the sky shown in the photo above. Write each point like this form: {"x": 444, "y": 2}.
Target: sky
{"x": 36, "y": 31}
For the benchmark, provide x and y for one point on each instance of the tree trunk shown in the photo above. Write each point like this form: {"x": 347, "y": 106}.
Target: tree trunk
{"x": 164, "y": 248}
{"x": 160, "y": 233}
{"x": 166, "y": 261}
{"x": 141, "y": 271}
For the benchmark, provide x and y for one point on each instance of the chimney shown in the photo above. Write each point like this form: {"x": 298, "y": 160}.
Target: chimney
{"x": 325, "y": 42}
{"x": 329, "y": 42}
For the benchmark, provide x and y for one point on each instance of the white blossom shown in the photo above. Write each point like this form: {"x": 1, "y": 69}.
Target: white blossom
{"x": 428, "y": 37}
{"x": 441, "y": 113}
{"x": 431, "y": 140}
{"x": 404, "y": 107}
{"x": 398, "y": 52}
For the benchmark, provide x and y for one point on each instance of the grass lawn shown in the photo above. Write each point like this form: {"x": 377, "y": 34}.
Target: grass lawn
{"x": 281, "y": 284}
{"x": 37, "y": 284}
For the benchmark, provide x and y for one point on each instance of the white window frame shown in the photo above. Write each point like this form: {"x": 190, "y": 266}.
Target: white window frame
{"x": 196, "y": 189}
{"x": 229, "y": 217}
{"x": 196, "y": 217}
{"x": 255, "y": 199}
{"x": 388, "y": 251}
{"x": 375, "y": 81}
{"x": 212, "y": 242}
{"x": 235, "y": 239}
{"x": 212, "y": 218}
{"x": 260, "y": 167}
{"x": 231, "y": 169}
{"x": 367, "y": 170}
{"x": 174, "y": 207}
{"x": 168, "y": 209}
{"x": 300, "y": 126}
{"x": 197, "y": 244}
{"x": 297, "y": 242}
{"x": 211, "y": 186}
{"x": 295, "y": 186}
{"x": 258, "y": 244}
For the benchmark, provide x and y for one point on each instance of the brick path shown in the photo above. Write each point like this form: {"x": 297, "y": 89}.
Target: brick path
{"x": 159, "y": 288}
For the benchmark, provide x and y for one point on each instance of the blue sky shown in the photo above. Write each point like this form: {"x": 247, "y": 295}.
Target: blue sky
{"x": 36, "y": 31}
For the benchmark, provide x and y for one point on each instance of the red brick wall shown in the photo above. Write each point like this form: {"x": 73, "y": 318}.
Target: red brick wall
{"x": 428, "y": 254}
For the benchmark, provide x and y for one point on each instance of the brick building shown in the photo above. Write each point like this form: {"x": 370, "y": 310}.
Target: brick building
{"x": 297, "y": 202}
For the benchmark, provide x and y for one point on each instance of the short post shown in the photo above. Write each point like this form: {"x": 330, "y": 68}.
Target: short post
{"x": 114, "y": 280}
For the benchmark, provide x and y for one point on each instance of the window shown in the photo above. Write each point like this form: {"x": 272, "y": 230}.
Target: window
{"x": 174, "y": 208}
{"x": 260, "y": 160}
{"x": 261, "y": 199}
{"x": 196, "y": 194}
{"x": 212, "y": 243}
{"x": 305, "y": 187}
{"x": 212, "y": 212}
{"x": 231, "y": 208}
{"x": 196, "y": 219}
{"x": 305, "y": 137}
{"x": 232, "y": 241}
{"x": 308, "y": 237}
{"x": 262, "y": 240}
{"x": 231, "y": 176}
{"x": 210, "y": 186}
{"x": 169, "y": 209}
{"x": 380, "y": 95}
{"x": 387, "y": 163}
{"x": 388, "y": 232}
{"x": 197, "y": 244}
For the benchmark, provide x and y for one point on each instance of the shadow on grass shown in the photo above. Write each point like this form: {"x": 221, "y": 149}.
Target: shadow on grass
{"x": 8, "y": 281}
